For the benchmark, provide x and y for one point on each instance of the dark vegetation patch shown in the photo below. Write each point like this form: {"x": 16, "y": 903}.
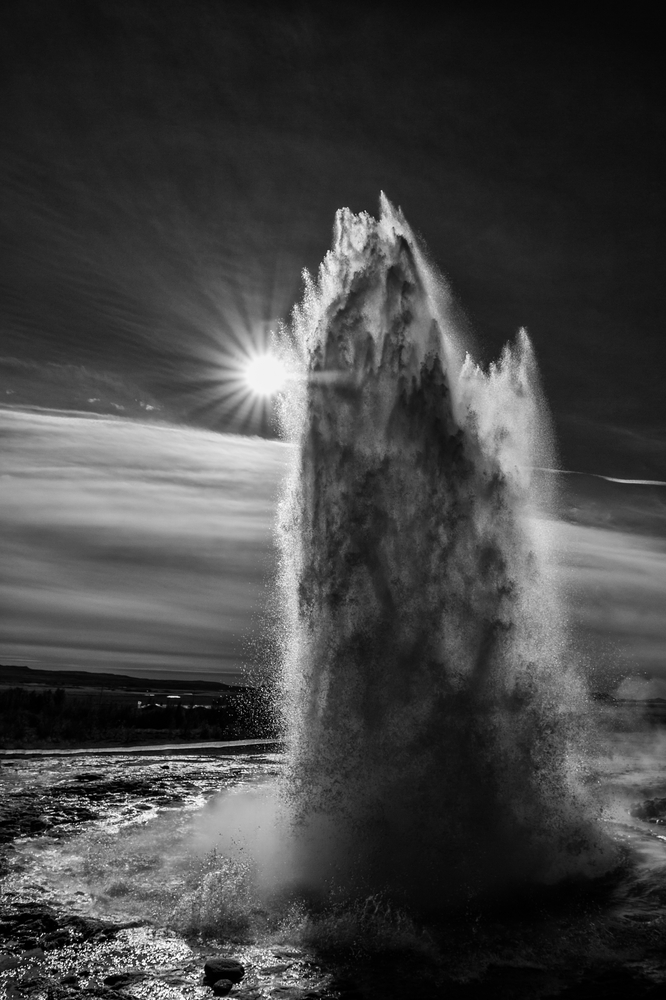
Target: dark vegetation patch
{"x": 61, "y": 718}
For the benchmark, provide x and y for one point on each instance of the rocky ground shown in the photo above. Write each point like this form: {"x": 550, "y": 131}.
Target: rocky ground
{"x": 37, "y": 804}
{"x": 610, "y": 944}
{"x": 45, "y": 954}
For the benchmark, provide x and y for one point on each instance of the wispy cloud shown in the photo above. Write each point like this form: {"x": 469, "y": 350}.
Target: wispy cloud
{"x": 615, "y": 586}
{"x": 148, "y": 548}
{"x": 132, "y": 546}
{"x": 72, "y": 387}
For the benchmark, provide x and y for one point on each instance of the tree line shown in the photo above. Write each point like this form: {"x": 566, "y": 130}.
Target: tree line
{"x": 54, "y": 717}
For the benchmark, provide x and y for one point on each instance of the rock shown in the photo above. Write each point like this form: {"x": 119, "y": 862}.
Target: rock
{"x": 9, "y": 962}
{"x": 273, "y": 970}
{"x": 122, "y": 979}
{"x": 294, "y": 993}
{"x": 35, "y": 954}
{"x": 222, "y": 968}
{"x": 222, "y": 987}
{"x": 57, "y": 939}
{"x": 32, "y": 975}
{"x": 90, "y": 927}
{"x": 38, "y": 824}
{"x": 651, "y": 811}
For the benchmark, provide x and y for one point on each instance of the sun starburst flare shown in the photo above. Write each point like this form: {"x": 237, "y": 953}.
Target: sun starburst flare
{"x": 266, "y": 375}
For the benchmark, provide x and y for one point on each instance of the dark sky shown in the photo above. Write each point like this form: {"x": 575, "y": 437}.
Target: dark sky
{"x": 168, "y": 169}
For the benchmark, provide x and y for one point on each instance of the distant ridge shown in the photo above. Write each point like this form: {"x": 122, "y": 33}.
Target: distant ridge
{"x": 83, "y": 678}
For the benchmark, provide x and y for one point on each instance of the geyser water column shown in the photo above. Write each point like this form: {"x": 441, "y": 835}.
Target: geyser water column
{"x": 432, "y": 712}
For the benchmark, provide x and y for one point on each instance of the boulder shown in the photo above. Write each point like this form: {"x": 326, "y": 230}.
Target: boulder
{"x": 222, "y": 987}
{"x": 222, "y": 968}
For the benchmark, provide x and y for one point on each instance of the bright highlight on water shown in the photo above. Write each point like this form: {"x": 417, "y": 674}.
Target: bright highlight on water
{"x": 431, "y": 697}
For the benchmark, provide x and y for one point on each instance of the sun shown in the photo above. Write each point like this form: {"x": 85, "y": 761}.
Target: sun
{"x": 265, "y": 375}
{"x": 250, "y": 366}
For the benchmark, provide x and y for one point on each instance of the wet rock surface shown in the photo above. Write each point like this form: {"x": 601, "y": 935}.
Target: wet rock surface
{"x": 52, "y": 947}
{"x": 26, "y": 926}
{"x": 651, "y": 811}
{"x": 58, "y": 946}
{"x": 222, "y": 987}
{"x": 121, "y": 979}
{"x": 39, "y": 805}
{"x": 112, "y": 962}
{"x": 216, "y": 969}
{"x": 92, "y": 958}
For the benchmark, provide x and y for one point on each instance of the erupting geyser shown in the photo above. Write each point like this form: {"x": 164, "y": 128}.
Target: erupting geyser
{"x": 432, "y": 708}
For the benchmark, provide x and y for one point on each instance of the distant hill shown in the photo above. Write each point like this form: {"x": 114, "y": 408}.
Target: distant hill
{"x": 84, "y": 678}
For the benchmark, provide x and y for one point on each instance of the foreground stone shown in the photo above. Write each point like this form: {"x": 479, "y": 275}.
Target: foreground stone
{"x": 222, "y": 987}
{"x": 222, "y": 968}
